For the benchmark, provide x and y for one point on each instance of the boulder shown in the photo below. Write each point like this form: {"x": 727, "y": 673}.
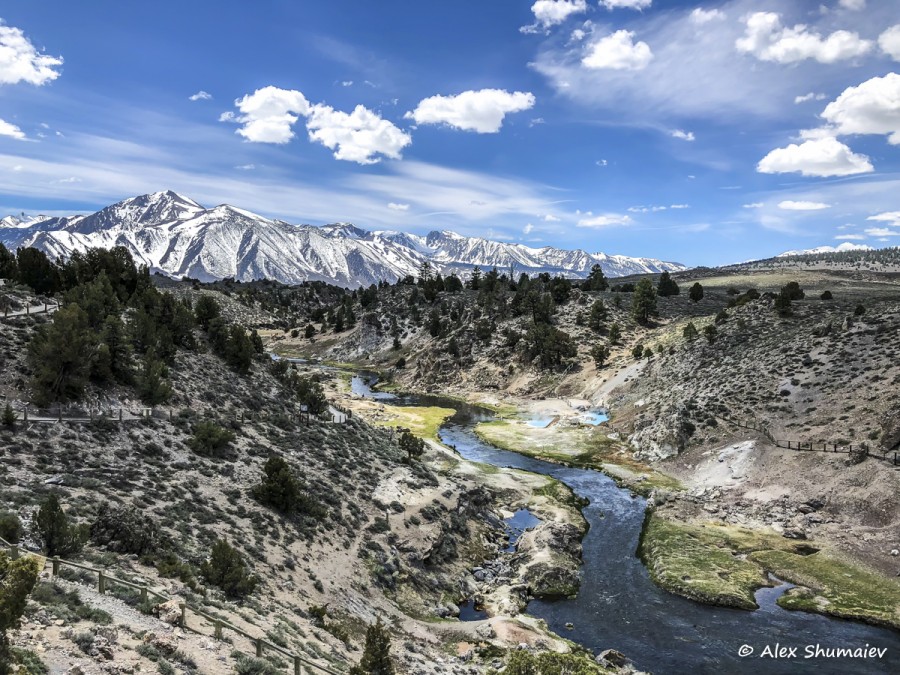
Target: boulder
{"x": 549, "y": 581}
{"x": 169, "y": 611}
{"x": 611, "y": 657}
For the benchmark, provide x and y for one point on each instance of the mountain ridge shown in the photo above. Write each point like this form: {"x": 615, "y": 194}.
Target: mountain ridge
{"x": 174, "y": 235}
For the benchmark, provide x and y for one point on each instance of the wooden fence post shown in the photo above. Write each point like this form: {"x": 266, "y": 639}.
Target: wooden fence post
{"x": 143, "y": 595}
{"x": 259, "y": 647}
{"x": 217, "y": 629}
{"x": 55, "y": 566}
{"x": 297, "y": 666}
{"x": 101, "y": 582}
{"x": 183, "y": 615}
{"x": 120, "y": 413}
{"x": 13, "y": 552}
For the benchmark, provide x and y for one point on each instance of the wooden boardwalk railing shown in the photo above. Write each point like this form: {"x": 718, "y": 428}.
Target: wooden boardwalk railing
{"x": 300, "y": 663}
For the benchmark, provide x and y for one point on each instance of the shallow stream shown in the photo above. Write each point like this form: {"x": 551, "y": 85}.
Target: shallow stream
{"x": 619, "y": 607}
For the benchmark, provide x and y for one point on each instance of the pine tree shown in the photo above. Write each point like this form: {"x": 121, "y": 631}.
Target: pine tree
{"x": 8, "y": 266}
{"x": 280, "y": 488}
{"x": 52, "y": 529}
{"x": 600, "y": 353}
{"x": 690, "y": 332}
{"x": 61, "y": 356}
{"x": 696, "y": 292}
{"x": 475, "y": 281}
{"x": 227, "y": 570}
{"x": 615, "y": 333}
{"x": 9, "y": 417}
{"x": 710, "y": 333}
{"x": 412, "y": 445}
{"x": 239, "y": 349}
{"x": 206, "y": 309}
{"x": 376, "y": 658}
{"x": 153, "y": 384}
{"x": 36, "y": 270}
{"x": 598, "y": 314}
{"x": 643, "y": 304}
{"x": 667, "y": 286}
{"x": 596, "y": 280}
{"x": 113, "y": 337}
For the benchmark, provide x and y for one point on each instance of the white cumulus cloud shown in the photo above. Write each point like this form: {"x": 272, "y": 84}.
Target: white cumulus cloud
{"x": 607, "y": 220}
{"x": 889, "y": 41}
{"x": 358, "y": 136}
{"x": 21, "y": 62}
{"x": 790, "y": 205}
{"x": 200, "y": 96}
{"x": 768, "y": 40}
{"x": 872, "y": 107}
{"x": 683, "y": 135}
{"x": 394, "y": 206}
{"x": 268, "y": 114}
{"x": 820, "y": 157}
{"x": 853, "y": 4}
{"x": 618, "y": 52}
{"x": 7, "y": 129}
{"x": 481, "y": 111}
{"x": 754, "y": 205}
{"x": 548, "y": 13}
{"x": 626, "y": 4}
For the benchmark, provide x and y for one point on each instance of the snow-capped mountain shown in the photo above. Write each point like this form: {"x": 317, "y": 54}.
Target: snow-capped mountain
{"x": 177, "y": 236}
{"x": 840, "y": 248}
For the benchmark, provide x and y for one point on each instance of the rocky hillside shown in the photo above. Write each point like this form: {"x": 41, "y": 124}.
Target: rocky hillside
{"x": 706, "y": 406}
{"x": 329, "y": 525}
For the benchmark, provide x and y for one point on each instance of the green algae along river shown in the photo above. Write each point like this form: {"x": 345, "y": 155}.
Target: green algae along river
{"x": 619, "y": 607}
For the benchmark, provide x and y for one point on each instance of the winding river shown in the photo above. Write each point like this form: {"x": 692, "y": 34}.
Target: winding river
{"x": 619, "y": 607}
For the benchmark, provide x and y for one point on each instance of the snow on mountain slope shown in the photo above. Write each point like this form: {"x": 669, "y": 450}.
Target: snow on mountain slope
{"x": 175, "y": 235}
{"x": 840, "y": 248}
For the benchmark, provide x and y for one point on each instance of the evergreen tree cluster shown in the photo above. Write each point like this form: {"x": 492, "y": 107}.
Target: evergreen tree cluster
{"x": 306, "y": 390}
{"x": 283, "y": 491}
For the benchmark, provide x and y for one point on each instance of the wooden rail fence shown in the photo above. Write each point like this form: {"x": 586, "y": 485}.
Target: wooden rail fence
{"x": 28, "y": 311}
{"x": 28, "y": 414}
{"x": 300, "y": 664}
{"x": 819, "y": 446}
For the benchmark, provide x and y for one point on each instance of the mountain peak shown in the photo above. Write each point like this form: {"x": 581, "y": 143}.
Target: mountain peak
{"x": 348, "y": 230}
{"x": 175, "y": 235}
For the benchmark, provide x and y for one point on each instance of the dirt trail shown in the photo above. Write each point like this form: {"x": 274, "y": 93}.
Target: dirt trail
{"x": 51, "y": 639}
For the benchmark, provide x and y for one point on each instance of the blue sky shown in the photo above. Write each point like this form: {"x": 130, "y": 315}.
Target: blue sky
{"x": 701, "y": 132}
